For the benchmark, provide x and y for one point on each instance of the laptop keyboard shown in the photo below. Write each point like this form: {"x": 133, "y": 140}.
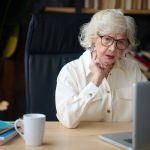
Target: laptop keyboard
{"x": 128, "y": 140}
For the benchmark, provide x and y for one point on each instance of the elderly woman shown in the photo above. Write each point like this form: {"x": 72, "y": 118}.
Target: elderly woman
{"x": 98, "y": 85}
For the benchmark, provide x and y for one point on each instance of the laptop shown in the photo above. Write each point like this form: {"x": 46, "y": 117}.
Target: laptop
{"x": 140, "y": 136}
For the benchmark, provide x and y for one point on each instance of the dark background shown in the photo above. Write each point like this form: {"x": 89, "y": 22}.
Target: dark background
{"x": 12, "y": 81}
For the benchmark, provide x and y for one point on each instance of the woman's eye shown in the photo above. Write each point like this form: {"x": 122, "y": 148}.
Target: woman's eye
{"x": 121, "y": 42}
{"x": 108, "y": 39}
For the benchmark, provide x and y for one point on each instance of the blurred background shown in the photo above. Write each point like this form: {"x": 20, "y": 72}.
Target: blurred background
{"x": 14, "y": 20}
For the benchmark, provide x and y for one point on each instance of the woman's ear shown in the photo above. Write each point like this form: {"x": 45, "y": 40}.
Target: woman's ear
{"x": 92, "y": 47}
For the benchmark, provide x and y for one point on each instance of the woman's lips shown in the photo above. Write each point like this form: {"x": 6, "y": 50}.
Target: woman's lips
{"x": 110, "y": 56}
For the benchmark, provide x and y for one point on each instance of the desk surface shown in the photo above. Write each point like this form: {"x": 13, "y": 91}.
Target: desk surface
{"x": 85, "y": 137}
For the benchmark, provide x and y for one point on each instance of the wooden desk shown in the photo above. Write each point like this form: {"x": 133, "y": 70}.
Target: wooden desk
{"x": 85, "y": 137}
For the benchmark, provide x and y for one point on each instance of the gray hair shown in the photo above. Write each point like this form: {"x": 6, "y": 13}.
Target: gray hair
{"x": 105, "y": 22}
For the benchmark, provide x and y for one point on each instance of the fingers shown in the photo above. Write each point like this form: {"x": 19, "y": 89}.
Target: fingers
{"x": 97, "y": 66}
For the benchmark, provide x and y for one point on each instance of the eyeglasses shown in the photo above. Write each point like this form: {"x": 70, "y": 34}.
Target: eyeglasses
{"x": 121, "y": 44}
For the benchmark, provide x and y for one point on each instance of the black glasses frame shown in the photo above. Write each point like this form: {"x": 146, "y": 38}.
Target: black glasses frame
{"x": 114, "y": 40}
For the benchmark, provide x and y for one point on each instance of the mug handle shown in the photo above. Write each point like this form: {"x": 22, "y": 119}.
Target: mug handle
{"x": 17, "y": 129}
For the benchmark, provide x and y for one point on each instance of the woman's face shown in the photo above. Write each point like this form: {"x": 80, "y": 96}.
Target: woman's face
{"x": 109, "y": 54}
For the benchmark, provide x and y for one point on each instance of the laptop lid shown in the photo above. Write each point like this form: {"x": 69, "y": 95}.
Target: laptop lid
{"x": 140, "y": 138}
{"x": 141, "y": 115}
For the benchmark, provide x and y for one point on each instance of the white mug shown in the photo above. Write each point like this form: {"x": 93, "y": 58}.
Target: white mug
{"x": 33, "y": 128}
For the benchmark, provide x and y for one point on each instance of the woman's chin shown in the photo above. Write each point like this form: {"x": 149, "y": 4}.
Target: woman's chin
{"x": 109, "y": 62}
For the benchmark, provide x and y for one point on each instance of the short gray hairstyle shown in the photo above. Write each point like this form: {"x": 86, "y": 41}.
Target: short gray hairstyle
{"x": 105, "y": 22}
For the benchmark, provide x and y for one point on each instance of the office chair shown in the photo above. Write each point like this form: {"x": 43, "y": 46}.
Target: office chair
{"x": 52, "y": 41}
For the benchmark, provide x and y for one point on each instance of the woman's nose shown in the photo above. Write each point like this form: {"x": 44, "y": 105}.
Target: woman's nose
{"x": 113, "y": 46}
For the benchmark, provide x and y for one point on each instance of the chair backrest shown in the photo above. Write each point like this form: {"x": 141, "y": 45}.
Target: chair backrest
{"x": 52, "y": 41}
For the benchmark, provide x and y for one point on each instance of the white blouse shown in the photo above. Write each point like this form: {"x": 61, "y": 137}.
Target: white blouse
{"x": 78, "y": 99}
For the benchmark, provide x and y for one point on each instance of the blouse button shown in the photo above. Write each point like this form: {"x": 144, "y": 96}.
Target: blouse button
{"x": 108, "y": 91}
{"x": 108, "y": 110}
{"x": 91, "y": 94}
